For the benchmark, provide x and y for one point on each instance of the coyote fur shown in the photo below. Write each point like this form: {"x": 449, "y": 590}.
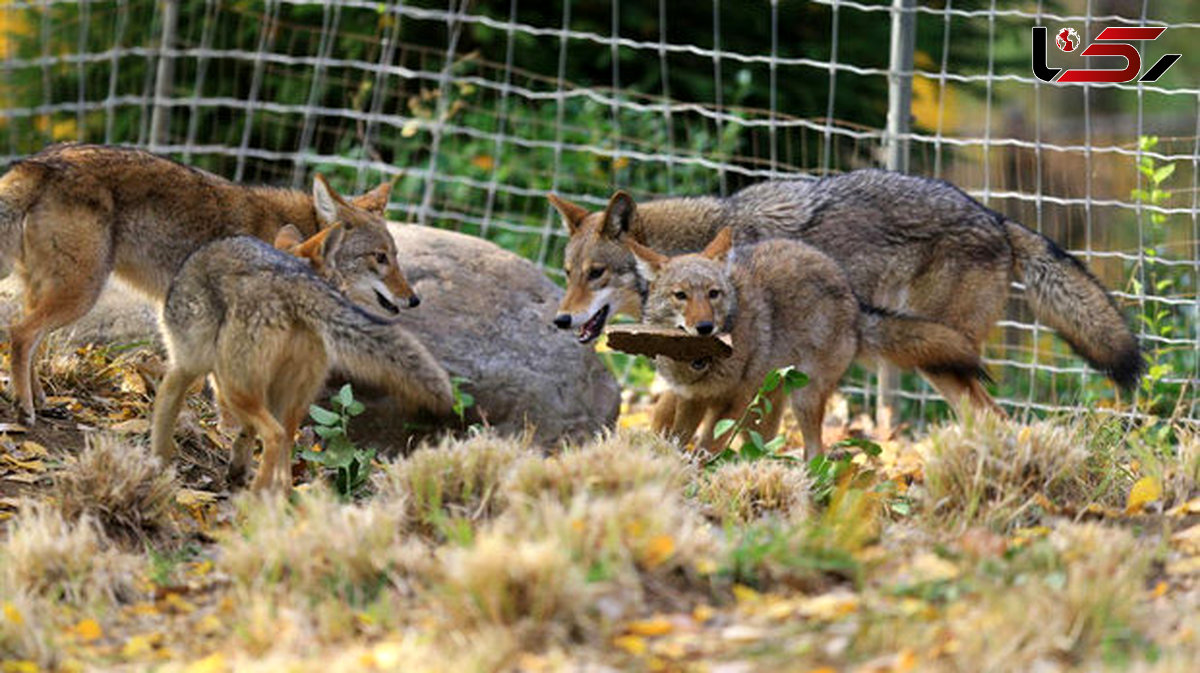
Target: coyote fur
{"x": 783, "y": 303}
{"x": 906, "y": 244}
{"x": 268, "y": 328}
{"x": 72, "y": 215}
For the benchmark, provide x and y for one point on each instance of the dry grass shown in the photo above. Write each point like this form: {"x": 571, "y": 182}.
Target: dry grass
{"x": 484, "y": 554}
{"x": 614, "y": 464}
{"x": 990, "y": 470}
{"x": 50, "y": 557}
{"x": 122, "y": 487}
{"x": 456, "y": 480}
{"x": 532, "y": 587}
{"x": 739, "y": 493}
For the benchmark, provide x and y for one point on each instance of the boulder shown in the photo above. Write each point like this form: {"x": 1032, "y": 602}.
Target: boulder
{"x": 485, "y": 314}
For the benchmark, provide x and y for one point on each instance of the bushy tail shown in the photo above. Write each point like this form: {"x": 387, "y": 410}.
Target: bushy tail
{"x": 18, "y": 189}
{"x": 1067, "y": 297}
{"x": 910, "y": 342}
{"x": 383, "y": 354}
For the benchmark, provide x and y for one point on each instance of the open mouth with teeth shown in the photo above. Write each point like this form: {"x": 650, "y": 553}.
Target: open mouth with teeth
{"x": 592, "y": 328}
{"x": 386, "y": 303}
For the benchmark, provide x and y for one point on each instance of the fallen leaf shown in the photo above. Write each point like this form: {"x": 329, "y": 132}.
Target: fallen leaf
{"x": 1190, "y": 507}
{"x": 141, "y": 645}
{"x": 1145, "y": 491}
{"x": 658, "y": 626}
{"x": 635, "y": 645}
{"x": 1187, "y": 540}
{"x": 660, "y": 549}
{"x": 13, "y": 428}
{"x": 213, "y": 663}
{"x": 133, "y": 426}
{"x": 88, "y": 630}
{"x": 12, "y": 614}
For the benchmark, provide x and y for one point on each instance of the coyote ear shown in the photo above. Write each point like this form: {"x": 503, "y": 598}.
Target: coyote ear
{"x": 319, "y": 248}
{"x": 618, "y": 216}
{"x": 325, "y": 201}
{"x": 376, "y": 200}
{"x": 719, "y": 248}
{"x": 649, "y": 262}
{"x": 288, "y": 237}
{"x": 572, "y": 214}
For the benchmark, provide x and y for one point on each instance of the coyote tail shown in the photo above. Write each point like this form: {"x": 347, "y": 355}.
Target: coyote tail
{"x": 911, "y": 342}
{"x": 1066, "y": 296}
{"x": 384, "y": 354}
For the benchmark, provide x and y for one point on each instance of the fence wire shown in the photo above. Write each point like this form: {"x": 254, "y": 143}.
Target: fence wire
{"x": 482, "y": 107}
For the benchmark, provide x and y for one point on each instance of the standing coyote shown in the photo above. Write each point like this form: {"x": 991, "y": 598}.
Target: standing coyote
{"x": 268, "y": 328}
{"x": 72, "y": 215}
{"x": 783, "y": 303}
{"x": 906, "y": 244}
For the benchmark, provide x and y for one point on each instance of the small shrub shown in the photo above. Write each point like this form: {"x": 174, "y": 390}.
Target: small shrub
{"x": 122, "y": 487}
{"x": 989, "y": 469}
{"x": 456, "y": 480}
{"x": 619, "y": 462}
{"x": 742, "y": 492}
{"x": 49, "y": 557}
{"x": 531, "y": 586}
{"x": 351, "y": 465}
{"x": 319, "y": 548}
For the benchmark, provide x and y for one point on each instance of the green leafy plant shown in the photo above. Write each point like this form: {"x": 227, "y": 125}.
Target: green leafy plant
{"x": 754, "y": 447}
{"x": 1161, "y": 280}
{"x": 462, "y": 399}
{"x": 352, "y": 465}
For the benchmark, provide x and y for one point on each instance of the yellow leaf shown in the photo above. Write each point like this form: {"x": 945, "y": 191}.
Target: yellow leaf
{"x": 906, "y": 661}
{"x": 660, "y": 549}
{"x": 745, "y": 594}
{"x": 702, "y": 613}
{"x": 1159, "y": 590}
{"x": 139, "y": 646}
{"x": 483, "y": 162}
{"x": 209, "y": 625}
{"x": 88, "y": 630}
{"x": 19, "y": 666}
{"x": 1187, "y": 540}
{"x": 658, "y": 626}
{"x": 12, "y": 614}
{"x": 213, "y": 663}
{"x": 1145, "y": 490}
{"x": 133, "y": 426}
{"x": 1190, "y": 507}
{"x": 410, "y": 128}
{"x": 34, "y": 449}
{"x": 635, "y": 645}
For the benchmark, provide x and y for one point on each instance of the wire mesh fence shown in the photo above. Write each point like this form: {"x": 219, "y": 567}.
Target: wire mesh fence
{"x": 483, "y": 107}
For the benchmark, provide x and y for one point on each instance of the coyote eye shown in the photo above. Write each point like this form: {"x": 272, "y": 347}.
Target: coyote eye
{"x": 595, "y": 272}
{"x": 380, "y": 258}
{"x": 713, "y": 294}
{"x": 681, "y": 295}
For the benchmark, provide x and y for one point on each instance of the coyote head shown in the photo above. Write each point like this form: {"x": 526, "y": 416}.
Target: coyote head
{"x": 691, "y": 292}
{"x": 354, "y": 251}
{"x": 602, "y": 278}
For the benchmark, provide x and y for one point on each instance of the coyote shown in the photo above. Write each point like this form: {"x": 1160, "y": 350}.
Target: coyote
{"x": 72, "y": 215}
{"x": 268, "y": 328}
{"x": 783, "y": 303}
{"x": 906, "y": 244}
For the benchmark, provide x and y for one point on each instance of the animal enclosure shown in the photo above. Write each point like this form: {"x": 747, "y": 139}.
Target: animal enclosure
{"x": 481, "y": 108}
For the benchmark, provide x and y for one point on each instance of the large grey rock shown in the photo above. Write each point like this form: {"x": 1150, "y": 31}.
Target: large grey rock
{"x": 485, "y": 314}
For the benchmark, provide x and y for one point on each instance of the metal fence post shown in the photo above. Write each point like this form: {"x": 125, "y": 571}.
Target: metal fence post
{"x": 166, "y": 72}
{"x": 904, "y": 31}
